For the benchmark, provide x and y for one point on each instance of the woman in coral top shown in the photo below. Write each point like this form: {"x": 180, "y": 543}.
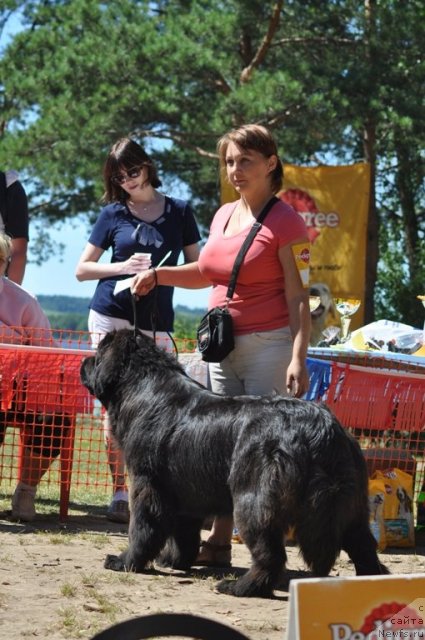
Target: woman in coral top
{"x": 270, "y": 306}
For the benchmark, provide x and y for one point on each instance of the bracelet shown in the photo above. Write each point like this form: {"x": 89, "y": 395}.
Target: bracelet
{"x": 155, "y": 276}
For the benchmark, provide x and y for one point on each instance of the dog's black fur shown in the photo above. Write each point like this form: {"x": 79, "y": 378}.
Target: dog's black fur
{"x": 273, "y": 462}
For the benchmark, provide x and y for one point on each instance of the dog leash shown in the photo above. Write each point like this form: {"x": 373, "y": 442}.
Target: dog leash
{"x": 154, "y": 318}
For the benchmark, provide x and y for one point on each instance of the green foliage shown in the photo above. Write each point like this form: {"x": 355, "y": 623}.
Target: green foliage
{"x": 336, "y": 82}
{"x": 68, "y": 312}
{"x": 186, "y": 322}
{"x": 64, "y": 304}
{"x": 72, "y": 321}
{"x": 396, "y": 289}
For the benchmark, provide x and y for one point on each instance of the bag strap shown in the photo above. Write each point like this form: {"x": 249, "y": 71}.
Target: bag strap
{"x": 3, "y": 197}
{"x": 246, "y": 244}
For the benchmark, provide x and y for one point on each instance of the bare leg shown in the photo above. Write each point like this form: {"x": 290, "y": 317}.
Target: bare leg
{"x": 116, "y": 465}
{"x": 221, "y": 531}
{"x": 115, "y": 458}
{"x": 216, "y": 551}
{"x": 118, "y": 510}
{"x": 33, "y": 468}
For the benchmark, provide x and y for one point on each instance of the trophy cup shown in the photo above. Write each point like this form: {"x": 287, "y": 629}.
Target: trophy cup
{"x": 346, "y": 307}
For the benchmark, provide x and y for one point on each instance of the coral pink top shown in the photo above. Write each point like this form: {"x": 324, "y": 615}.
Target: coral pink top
{"x": 22, "y": 320}
{"x": 259, "y": 302}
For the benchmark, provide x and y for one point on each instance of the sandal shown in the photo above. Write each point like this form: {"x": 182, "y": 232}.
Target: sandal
{"x": 214, "y": 555}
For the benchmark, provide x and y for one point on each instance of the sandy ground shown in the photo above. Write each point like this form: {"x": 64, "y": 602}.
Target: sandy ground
{"x": 53, "y": 585}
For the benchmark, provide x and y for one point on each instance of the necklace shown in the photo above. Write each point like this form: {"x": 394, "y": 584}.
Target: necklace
{"x": 141, "y": 206}
{"x": 148, "y": 208}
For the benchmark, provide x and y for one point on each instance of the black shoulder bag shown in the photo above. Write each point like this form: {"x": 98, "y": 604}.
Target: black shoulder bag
{"x": 215, "y": 331}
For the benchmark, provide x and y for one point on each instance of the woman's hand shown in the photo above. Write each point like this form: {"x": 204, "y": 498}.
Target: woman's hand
{"x": 297, "y": 378}
{"x": 297, "y": 297}
{"x": 137, "y": 263}
{"x": 143, "y": 283}
{"x": 89, "y": 268}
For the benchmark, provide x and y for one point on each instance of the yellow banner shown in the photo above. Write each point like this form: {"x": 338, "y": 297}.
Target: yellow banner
{"x": 334, "y": 202}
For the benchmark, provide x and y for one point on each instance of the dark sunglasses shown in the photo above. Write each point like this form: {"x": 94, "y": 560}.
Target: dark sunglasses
{"x": 120, "y": 178}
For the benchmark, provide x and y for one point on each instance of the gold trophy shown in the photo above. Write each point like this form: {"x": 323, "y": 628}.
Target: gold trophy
{"x": 346, "y": 307}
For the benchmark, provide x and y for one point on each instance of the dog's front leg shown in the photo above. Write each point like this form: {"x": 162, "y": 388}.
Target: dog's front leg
{"x": 148, "y": 530}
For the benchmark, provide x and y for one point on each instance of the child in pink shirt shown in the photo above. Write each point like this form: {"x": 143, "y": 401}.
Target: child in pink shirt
{"x": 22, "y": 321}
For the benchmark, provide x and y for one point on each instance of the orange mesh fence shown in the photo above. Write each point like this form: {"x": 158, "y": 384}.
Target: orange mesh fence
{"x": 46, "y": 413}
{"x": 48, "y": 418}
{"x": 42, "y": 410}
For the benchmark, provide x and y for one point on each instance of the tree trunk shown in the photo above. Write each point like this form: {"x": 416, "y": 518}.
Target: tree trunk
{"x": 369, "y": 149}
{"x": 406, "y": 191}
{"x": 372, "y": 233}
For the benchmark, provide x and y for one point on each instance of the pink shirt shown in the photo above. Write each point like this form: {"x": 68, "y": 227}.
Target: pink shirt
{"x": 22, "y": 320}
{"x": 259, "y": 302}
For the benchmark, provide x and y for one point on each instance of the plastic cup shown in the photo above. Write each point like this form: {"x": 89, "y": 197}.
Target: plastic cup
{"x": 147, "y": 258}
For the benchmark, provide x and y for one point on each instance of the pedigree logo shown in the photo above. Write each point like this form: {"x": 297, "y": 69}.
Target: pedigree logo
{"x": 314, "y": 219}
{"x": 304, "y": 256}
{"x": 391, "y": 620}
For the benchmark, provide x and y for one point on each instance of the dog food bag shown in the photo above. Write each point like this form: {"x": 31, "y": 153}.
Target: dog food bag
{"x": 376, "y": 511}
{"x": 398, "y": 507}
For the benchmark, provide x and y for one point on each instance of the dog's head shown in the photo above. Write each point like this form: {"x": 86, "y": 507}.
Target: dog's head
{"x": 376, "y": 499}
{"x": 376, "y": 505}
{"x": 403, "y": 496}
{"x": 400, "y": 494}
{"x": 122, "y": 360}
{"x": 323, "y": 312}
{"x": 103, "y": 373}
{"x": 322, "y": 291}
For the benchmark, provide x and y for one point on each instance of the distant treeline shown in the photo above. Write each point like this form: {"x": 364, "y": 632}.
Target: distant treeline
{"x": 69, "y": 312}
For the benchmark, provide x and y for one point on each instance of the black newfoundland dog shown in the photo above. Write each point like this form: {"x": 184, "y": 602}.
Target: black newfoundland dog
{"x": 273, "y": 462}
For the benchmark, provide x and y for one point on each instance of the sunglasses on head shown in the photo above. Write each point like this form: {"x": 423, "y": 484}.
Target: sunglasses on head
{"x": 120, "y": 178}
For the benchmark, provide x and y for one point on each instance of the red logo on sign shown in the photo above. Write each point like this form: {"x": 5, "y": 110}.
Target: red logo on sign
{"x": 305, "y": 255}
